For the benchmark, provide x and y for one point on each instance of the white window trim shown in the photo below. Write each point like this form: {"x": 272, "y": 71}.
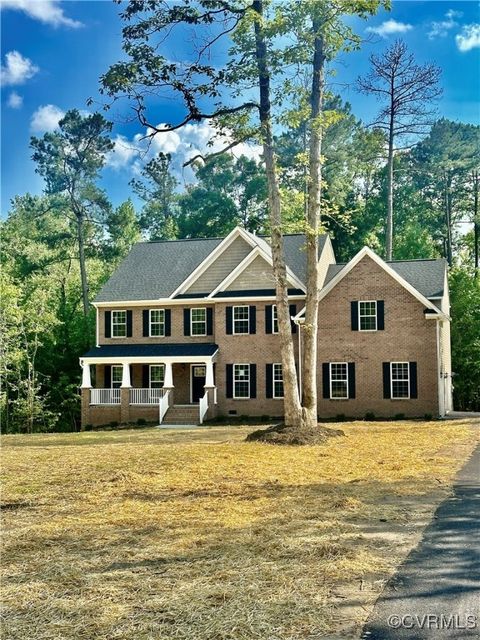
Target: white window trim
{"x": 161, "y": 335}
{"x": 274, "y": 396}
{"x": 274, "y": 308}
{"x": 118, "y": 323}
{"x": 391, "y": 381}
{"x": 330, "y": 376}
{"x": 360, "y": 316}
{"x": 247, "y": 319}
{"x": 241, "y": 364}
{"x": 116, "y": 366}
{"x": 197, "y": 335}
{"x": 150, "y": 375}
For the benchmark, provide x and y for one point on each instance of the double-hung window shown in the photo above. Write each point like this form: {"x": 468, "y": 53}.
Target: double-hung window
{"x": 119, "y": 324}
{"x": 400, "y": 380}
{"x": 338, "y": 380}
{"x": 157, "y": 322}
{"x": 241, "y": 381}
{"x": 157, "y": 376}
{"x": 117, "y": 373}
{"x": 241, "y": 319}
{"x": 277, "y": 380}
{"x": 274, "y": 319}
{"x": 367, "y": 315}
{"x": 198, "y": 322}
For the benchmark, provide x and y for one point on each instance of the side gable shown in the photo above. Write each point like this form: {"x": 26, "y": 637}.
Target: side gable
{"x": 221, "y": 267}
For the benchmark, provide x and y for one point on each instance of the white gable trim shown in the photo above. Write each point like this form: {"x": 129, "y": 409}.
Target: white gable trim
{"x": 366, "y": 251}
{"x": 210, "y": 259}
{"x": 240, "y": 268}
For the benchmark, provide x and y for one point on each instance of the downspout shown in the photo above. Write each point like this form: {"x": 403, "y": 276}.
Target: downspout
{"x": 97, "y": 326}
{"x": 441, "y": 411}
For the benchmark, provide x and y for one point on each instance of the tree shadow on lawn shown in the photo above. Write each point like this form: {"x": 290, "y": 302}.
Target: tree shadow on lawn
{"x": 304, "y": 555}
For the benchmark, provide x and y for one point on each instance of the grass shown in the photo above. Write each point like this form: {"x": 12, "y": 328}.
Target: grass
{"x": 164, "y": 535}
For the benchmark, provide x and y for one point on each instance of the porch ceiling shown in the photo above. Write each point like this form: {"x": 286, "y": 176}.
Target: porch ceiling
{"x": 195, "y": 352}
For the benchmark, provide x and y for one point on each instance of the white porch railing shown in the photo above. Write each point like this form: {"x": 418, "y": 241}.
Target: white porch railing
{"x": 105, "y": 396}
{"x": 163, "y": 405}
{"x": 145, "y": 396}
{"x": 203, "y": 406}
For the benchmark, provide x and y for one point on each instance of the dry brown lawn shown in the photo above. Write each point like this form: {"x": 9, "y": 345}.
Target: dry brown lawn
{"x": 198, "y": 535}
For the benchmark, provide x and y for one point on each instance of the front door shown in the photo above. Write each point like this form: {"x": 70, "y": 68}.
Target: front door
{"x": 198, "y": 382}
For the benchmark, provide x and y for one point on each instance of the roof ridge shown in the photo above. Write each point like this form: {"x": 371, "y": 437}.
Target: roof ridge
{"x": 176, "y": 240}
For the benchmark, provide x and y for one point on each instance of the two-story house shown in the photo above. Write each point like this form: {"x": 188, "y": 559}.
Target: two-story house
{"x": 187, "y": 330}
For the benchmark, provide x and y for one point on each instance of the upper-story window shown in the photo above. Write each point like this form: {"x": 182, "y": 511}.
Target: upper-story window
{"x": 198, "y": 322}
{"x": 157, "y": 322}
{"x": 119, "y": 324}
{"x": 274, "y": 319}
{"x": 367, "y": 315}
{"x": 400, "y": 380}
{"x": 117, "y": 373}
{"x": 241, "y": 319}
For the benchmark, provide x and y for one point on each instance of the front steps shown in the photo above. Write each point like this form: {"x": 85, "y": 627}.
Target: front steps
{"x": 182, "y": 414}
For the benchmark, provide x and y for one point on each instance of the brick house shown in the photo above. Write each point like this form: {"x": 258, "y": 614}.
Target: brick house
{"x": 187, "y": 331}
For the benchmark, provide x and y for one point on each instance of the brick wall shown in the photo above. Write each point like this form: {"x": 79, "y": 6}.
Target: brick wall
{"x": 408, "y": 336}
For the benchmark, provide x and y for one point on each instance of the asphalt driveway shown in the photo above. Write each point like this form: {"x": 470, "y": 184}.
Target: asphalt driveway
{"x": 435, "y": 594}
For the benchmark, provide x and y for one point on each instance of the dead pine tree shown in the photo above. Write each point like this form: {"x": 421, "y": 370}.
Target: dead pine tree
{"x": 406, "y": 92}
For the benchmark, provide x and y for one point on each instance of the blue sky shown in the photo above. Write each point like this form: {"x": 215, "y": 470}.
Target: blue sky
{"x": 53, "y": 54}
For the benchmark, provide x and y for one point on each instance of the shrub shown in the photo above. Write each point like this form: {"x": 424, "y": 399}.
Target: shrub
{"x": 370, "y": 416}
{"x": 399, "y": 416}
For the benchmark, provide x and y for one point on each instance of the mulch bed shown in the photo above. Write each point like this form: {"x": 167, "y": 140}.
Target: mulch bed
{"x": 281, "y": 434}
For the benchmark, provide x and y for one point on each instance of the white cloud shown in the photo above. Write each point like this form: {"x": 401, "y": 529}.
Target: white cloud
{"x": 14, "y": 100}
{"x": 441, "y": 29}
{"x": 16, "y": 69}
{"x": 469, "y": 38}
{"x": 46, "y": 118}
{"x": 389, "y": 27}
{"x": 47, "y": 11}
{"x": 181, "y": 144}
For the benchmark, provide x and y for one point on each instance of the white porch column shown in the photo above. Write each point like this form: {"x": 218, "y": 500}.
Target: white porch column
{"x": 126, "y": 376}
{"x": 86, "y": 378}
{"x": 168, "y": 380}
{"x": 209, "y": 381}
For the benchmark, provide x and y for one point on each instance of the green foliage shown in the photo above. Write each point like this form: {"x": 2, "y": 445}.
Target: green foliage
{"x": 465, "y": 312}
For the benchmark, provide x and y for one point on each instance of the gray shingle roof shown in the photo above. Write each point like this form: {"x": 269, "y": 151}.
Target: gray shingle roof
{"x": 427, "y": 276}
{"x": 154, "y": 270}
{"x": 151, "y": 350}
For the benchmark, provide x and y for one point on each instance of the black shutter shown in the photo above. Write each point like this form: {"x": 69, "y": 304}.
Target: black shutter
{"x": 107, "y": 381}
{"x": 186, "y": 322}
{"x": 380, "y": 315}
{"x": 230, "y": 380}
{"x": 146, "y": 323}
{"x": 386, "y": 380}
{"x": 269, "y": 380}
{"x": 268, "y": 319}
{"x": 129, "y": 324}
{"x": 351, "y": 380}
{"x": 229, "y": 319}
{"x": 168, "y": 322}
{"x": 293, "y": 312}
{"x": 413, "y": 380}
{"x": 253, "y": 319}
{"x": 108, "y": 324}
{"x": 209, "y": 321}
{"x": 253, "y": 381}
{"x": 326, "y": 379}
{"x": 354, "y": 314}
{"x": 145, "y": 376}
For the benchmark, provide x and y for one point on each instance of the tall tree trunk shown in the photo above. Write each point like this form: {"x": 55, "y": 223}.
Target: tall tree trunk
{"x": 292, "y": 408}
{"x": 81, "y": 257}
{"x": 389, "y": 226}
{"x": 448, "y": 219}
{"x": 310, "y": 326}
{"x": 476, "y": 221}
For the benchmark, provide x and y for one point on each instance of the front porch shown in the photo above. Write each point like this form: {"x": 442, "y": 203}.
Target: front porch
{"x": 121, "y": 385}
